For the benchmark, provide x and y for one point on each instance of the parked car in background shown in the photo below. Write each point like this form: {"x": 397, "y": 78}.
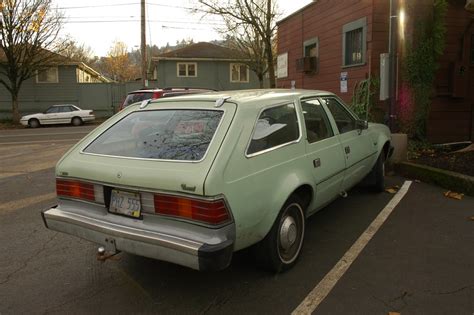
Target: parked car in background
{"x": 59, "y": 114}
{"x": 193, "y": 179}
{"x": 146, "y": 94}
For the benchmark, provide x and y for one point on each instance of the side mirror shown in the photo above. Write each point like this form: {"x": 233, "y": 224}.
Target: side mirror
{"x": 362, "y": 124}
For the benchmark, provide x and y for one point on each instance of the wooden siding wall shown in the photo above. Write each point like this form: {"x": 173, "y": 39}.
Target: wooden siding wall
{"x": 210, "y": 74}
{"x": 325, "y": 19}
{"x": 103, "y": 98}
{"x": 451, "y": 119}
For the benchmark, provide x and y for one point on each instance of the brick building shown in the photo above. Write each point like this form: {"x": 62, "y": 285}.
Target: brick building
{"x": 342, "y": 41}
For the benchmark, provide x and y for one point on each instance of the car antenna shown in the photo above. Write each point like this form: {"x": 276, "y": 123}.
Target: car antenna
{"x": 221, "y": 101}
{"x": 145, "y": 103}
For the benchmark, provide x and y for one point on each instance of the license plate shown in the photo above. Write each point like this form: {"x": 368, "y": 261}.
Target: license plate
{"x": 125, "y": 203}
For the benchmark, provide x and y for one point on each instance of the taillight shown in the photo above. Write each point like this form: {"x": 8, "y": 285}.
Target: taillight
{"x": 76, "y": 189}
{"x": 213, "y": 212}
{"x": 157, "y": 95}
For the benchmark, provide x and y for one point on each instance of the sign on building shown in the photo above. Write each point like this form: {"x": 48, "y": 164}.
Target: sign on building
{"x": 282, "y": 65}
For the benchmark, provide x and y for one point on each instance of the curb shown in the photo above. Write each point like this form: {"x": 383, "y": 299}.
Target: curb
{"x": 446, "y": 179}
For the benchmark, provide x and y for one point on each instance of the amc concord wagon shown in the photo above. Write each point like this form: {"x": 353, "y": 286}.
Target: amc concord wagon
{"x": 192, "y": 179}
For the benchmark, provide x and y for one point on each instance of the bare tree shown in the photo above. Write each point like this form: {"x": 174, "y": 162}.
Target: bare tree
{"x": 252, "y": 25}
{"x": 28, "y": 35}
{"x": 250, "y": 49}
{"x": 78, "y": 52}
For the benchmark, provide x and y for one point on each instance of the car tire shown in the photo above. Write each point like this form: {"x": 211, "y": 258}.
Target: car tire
{"x": 33, "y": 123}
{"x": 379, "y": 174}
{"x": 281, "y": 247}
{"x": 76, "y": 121}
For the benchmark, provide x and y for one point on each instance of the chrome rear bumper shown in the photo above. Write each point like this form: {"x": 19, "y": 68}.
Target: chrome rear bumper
{"x": 185, "y": 252}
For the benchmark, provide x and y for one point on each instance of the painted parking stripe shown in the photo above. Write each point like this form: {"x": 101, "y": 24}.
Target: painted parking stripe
{"x": 324, "y": 287}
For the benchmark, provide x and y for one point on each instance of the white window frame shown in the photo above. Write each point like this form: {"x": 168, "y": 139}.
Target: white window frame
{"x": 239, "y": 64}
{"x": 187, "y": 64}
{"x": 352, "y": 26}
{"x": 45, "y": 82}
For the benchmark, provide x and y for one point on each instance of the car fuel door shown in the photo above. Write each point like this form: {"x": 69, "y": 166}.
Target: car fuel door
{"x": 357, "y": 145}
{"x": 324, "y": 156}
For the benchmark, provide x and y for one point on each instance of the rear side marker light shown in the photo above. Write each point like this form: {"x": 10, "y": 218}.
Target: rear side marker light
{"x": 77, "y": 190}
{"x": 213, "y": 212}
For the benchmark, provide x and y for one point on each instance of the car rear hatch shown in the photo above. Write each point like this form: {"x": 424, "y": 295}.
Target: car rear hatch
{"x": 168, "y": 146}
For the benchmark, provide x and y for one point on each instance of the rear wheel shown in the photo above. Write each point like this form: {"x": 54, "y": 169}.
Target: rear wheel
{"x": 33, "y": 123}
{"x": 280, "y": 249}
{"x": 76, "y": 121}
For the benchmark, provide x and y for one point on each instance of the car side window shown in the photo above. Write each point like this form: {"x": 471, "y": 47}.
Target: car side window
{"x": 64, "y": 109}
{"x": 344, "y": 120}
{"x": 52, "y": 110}
{"x": 316, "y": 121}
{"x": 275, "y": 126}
{"x": 72, "y": 109}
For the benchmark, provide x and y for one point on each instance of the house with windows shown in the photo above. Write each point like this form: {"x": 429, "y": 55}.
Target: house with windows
{"x": 203, "y": 65}
{"x": 63, "y": 81}
{"x": 336, "y": 44}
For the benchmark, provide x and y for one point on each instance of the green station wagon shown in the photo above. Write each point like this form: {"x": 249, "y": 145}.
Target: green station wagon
{"x": 192, "y": 179}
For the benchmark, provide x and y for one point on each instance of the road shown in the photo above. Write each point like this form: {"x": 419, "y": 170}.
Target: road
{"x": 419, "y": 261}
{"x": 48, "y": 135}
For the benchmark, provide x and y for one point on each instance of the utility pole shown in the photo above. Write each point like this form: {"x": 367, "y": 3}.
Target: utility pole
{"x": 393, "y": 51}
{"x": 143, "y": 45}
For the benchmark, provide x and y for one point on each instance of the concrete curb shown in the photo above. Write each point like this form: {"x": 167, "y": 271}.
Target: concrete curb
{"x": 446, "y": 179}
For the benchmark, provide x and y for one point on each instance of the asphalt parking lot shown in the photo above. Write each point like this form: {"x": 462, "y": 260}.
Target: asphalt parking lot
{"x": 420, "y": 261}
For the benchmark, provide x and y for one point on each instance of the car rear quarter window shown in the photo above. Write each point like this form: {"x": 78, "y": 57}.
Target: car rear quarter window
{"x": 181, "y": 135}
{"x": 275, "y": 126}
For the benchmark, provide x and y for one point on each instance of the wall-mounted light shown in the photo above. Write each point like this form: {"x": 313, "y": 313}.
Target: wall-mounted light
{"x": 401, "y": 24}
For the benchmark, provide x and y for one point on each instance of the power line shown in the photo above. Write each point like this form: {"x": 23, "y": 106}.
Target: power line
{"x": 127, "y": 4}
{"x": 99, "y": 6}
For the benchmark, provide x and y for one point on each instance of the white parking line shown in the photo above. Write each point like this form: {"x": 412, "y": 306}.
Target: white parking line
{"x": 324, "y": 287}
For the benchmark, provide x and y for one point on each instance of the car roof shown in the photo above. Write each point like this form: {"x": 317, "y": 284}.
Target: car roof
{"x": 57, "y": 105}
{"x": 257, "y": 98}
{"x": 180, "y": 89}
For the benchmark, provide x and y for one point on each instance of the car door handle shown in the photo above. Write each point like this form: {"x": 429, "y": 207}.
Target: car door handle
{"x": 347, "y": 149}
{"x": 317, "y": 163}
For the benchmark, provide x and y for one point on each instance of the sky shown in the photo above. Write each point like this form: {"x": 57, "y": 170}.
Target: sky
{"x": 98, "y": 23}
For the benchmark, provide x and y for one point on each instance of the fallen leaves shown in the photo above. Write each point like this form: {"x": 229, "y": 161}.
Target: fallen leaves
{"x": 394, "y": 313}
{"x": 393, "y": 189}
{"x": 453, "y": 195}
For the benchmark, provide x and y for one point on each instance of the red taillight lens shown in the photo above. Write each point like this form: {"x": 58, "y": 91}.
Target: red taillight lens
{"x": 210, "y": 212}
{"x": 75, "y": 189}
{"x": 157, "y": 95}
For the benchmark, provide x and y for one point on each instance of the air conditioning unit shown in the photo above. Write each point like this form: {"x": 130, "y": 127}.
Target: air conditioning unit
{"x": 307, "y": 64}
{"x": 469, "y": 5}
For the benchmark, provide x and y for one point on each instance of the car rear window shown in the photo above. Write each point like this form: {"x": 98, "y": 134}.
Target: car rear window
{"x": 182, "y": 135}
{"x": 137, "y": 97}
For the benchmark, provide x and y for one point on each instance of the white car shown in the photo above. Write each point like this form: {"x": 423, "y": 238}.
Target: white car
{"x": 59, "y": 114}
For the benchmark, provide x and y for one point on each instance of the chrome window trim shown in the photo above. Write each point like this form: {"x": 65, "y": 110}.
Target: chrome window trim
{"x": 298, "y": 118}
{"x": 160, "y": 192}
{"x": 160, "y": 160}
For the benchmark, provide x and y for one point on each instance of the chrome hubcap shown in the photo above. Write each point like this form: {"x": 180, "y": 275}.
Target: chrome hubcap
{"x": 288, "y": 232}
